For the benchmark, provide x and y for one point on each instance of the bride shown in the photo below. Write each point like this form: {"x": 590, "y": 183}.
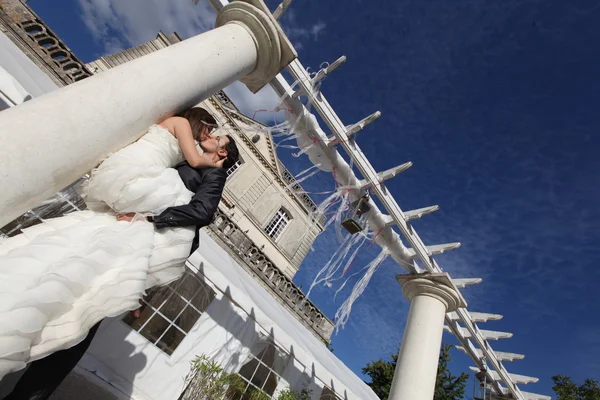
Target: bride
{"x": 59, "y": 278}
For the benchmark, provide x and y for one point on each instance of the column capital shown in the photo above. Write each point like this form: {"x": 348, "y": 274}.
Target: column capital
{"x": 274, "y": 49}
{"x": 437, "y": 285}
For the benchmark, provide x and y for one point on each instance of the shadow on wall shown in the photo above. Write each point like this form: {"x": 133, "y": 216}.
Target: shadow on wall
{"x": 136, "y": 360}
{"x": 245, "y": 343}
{"x": 77, "y": 386}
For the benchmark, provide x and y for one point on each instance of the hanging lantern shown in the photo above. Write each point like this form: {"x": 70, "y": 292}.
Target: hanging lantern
{"x": 353, "y": 223}
{"x": 480, "y": 392}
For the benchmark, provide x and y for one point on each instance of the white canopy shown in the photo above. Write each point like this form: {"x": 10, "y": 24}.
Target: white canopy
{"x": 222, "y": 270}
{"x": 241, "y": 313}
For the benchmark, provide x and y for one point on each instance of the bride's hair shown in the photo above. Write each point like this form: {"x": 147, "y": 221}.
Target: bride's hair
{"x": 198, "y": 118}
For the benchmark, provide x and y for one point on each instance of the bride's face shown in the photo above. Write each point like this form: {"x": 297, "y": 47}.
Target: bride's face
{"x": 205, "y": 134}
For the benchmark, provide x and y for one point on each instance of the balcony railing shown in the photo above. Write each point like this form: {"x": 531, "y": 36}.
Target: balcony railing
{"x": 259, "y": 264}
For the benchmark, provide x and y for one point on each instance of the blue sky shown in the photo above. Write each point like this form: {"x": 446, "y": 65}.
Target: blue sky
{"x": 496, "y": 105}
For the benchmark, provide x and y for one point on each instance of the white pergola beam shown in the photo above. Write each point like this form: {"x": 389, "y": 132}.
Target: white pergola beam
{"x": 384, "y": 176}
{"x": 392, "y": 172}
{"x": 493, "y": 335}
{"x": 436, "y": 249}
{"x": 397, "y": 250}
{"x": 484, "y": 317}
{"x": 278, "y": 11}
{"x": 413, "y": 214}
{"x": 418, "y": 213}
{"x": 376, "y": 219}
{"x": 464, "y": 282}
{"x": 518, "y": 379}
{"x": 360, "y": 125}
{"x": 487, "y": 335}
{"x": 482, "y": 361}
{"x": 478, "y": 316}
{"x": 502, "y": 356}
{"x": 320, "y": 76}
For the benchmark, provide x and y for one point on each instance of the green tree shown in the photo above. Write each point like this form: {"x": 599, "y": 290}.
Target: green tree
{"x": 289, "y": 394}
{"x": 381, "y": 373}
{"x": 566, "y": 389}
{"x": 208, "y": 381}
{"x": 447, "y": 386}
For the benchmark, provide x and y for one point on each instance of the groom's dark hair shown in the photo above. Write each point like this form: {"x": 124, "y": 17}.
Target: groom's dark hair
{"x": 198, "y": 118}
{"x": 233, "y": 154}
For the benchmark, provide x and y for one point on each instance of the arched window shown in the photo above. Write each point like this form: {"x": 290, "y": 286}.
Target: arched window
{"x": 328, "y": 394}
{"x": 278, "y": 223}
{"x": 263, "y": 369}
{"x": 169, "y": 312}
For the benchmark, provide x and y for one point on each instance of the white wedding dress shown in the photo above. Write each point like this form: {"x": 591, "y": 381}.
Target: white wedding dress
{"x": 59, "y": 278}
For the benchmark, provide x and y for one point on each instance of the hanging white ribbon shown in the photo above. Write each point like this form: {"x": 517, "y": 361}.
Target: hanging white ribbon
{"x": 343, "y": 313}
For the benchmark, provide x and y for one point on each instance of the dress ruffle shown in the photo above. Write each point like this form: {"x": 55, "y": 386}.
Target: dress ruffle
{"x": 59, "y": 278}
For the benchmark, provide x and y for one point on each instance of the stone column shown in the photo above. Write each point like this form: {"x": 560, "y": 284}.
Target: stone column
{"x": 51, "y": 141}
{"x": 431, "y": 296}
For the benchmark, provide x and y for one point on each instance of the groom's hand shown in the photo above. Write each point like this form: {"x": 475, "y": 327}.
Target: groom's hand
{"x": 126, "y": 217}
{"x": 219, "y": 164}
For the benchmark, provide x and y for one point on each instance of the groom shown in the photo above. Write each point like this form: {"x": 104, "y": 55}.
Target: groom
{"x": 43, "y": 376}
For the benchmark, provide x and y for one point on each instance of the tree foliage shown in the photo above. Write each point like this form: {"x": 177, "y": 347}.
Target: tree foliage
{"x": 566, "y": 389}
{"x": 381, "y": 373}
{"x": 289, "y": 394}
{"x": 208, "y": 381}
{"x": 447, "y": 386}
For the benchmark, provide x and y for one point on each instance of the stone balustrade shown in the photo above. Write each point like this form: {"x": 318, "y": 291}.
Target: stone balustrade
{"x": 289, "y": 295}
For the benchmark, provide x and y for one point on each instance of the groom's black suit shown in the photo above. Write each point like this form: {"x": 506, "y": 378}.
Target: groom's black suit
{"x": 208, "y": 185}
{"x": 43, "y": 376}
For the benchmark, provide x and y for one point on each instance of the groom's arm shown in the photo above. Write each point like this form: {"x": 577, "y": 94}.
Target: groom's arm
{"x": 201, "y": 209}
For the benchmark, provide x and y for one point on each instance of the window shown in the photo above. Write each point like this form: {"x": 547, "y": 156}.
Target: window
{"x": 328, "y": 394}
{"x": 277, "y": 224}
{"x": 223, "y": 98}
{"x": 169, "y": 312}
{"x": 263, "y": 369}
{"x": 234, "y": 168}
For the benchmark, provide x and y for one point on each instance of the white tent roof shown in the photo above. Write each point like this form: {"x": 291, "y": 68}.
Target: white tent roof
{"x": 16, "y": 64}
{"x": 229, "y": 277}
{"x": 11, "y": 92}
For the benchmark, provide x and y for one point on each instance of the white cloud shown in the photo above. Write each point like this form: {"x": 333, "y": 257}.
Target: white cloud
{"x": 134, "y": 22}
{"x": 316, "y": 29}
{"x": 298, "y": 33}
{"x": 118, "y": 25}
{"x": 261, "y": 105}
